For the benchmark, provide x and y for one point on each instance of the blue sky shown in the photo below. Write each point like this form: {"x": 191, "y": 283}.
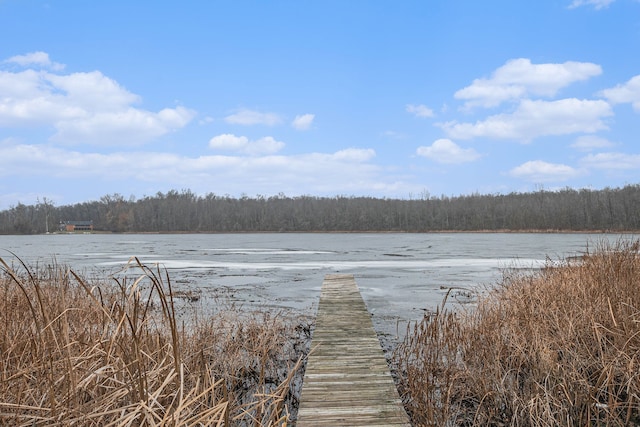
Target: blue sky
{"x": 377, "y": 98}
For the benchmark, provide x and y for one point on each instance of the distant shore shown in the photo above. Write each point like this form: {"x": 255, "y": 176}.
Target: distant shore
{"x": 486, "y": 231}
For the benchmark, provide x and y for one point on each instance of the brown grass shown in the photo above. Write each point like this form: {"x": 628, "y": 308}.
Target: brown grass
{"x": 557, "y": 348}
{"x": 114, "y": 354}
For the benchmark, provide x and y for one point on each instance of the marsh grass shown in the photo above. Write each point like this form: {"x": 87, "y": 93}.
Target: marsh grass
{"x": 560, "y": 347}
{"x": 113, "y": 353}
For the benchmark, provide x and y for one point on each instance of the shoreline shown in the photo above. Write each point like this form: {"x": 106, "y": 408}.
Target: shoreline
{"x": 484, "y": 231}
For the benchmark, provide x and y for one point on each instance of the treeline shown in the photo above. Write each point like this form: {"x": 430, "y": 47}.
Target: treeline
{"x": 183, "y": 211}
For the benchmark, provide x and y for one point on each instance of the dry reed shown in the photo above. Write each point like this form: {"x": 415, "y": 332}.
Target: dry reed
{"x": 560, "y": 347}
{"x": 112, "y": 353}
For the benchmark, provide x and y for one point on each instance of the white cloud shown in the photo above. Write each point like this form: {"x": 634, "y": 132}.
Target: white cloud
{"x": 35, "y": 59}
{"x": 591, "y": 142}
{"x": 533, "y": 119}
{"x": 228, "y": 141}
{"x": 35, "y": 160}
{"x": 446, "y": 151}
{"x": 29, "y": 98}
{"x": 303, "y": 122}
{"x": 357, "y": 155}
{"x": 250, "y": 117}
{"x": 242, "y": 144}
{"x": 92, "y": 91}
{"x": 519, "y": 78}
{"x": 420, "y": 110}
{"x": 597, "y": 4}
{"x": 265, "y": 145}
{"x": 625, "y": 93}
{"x": 348, "y": 171}
{"x": 612, "y": 161}
{"x": 87, "y": 108}
{"x": 127, "y": 127}
{"x": 539, "y": 171}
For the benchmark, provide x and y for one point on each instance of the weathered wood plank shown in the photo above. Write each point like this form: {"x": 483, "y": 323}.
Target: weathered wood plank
{"x": 347, "y": 381}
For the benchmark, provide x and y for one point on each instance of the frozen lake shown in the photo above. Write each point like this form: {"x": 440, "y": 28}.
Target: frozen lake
{"x": 400, "y": 275}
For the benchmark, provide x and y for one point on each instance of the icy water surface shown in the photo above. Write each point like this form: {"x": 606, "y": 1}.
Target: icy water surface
{"x": 400, "y": 275}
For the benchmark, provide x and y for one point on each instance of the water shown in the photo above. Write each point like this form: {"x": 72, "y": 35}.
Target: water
{"x": 400, "y": 275}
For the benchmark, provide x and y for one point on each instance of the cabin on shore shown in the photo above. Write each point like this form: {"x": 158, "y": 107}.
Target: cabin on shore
{"x": 73, "y": 226}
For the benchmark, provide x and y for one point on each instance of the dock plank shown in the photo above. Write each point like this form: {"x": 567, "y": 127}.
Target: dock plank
{"x": 347, "y": 381}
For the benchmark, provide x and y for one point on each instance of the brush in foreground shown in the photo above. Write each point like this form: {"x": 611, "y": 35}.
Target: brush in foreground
{"x": 557, "y": 348}
{"x": 113, "y": 354}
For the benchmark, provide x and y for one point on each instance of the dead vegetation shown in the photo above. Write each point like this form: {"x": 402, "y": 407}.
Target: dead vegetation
{"x": 112, "y": 353}
{"x": 557, "y": 348}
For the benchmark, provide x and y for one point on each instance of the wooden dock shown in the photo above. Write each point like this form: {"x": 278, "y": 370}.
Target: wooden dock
{"x": 347, "y": 381}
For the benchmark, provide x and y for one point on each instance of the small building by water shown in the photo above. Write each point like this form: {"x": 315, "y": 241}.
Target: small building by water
{"x": 73, "y": 226}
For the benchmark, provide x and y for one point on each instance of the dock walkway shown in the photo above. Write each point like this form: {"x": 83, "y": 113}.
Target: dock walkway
{"x": 347, "y": 381}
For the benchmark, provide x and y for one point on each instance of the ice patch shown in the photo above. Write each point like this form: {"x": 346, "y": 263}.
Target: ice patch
{"x": 266, "y": 251}
{"x": 409, "y": 265}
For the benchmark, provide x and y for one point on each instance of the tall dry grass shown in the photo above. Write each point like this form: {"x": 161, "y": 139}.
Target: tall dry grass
{"x": 557, "y": 348}
{"x": 115, "y": 354}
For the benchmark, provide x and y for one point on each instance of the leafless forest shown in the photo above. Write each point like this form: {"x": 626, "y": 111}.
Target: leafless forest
{"x": 609, "y": 209}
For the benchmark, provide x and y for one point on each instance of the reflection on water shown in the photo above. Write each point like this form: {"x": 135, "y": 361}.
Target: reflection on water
{"x": 400, "y": 275}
